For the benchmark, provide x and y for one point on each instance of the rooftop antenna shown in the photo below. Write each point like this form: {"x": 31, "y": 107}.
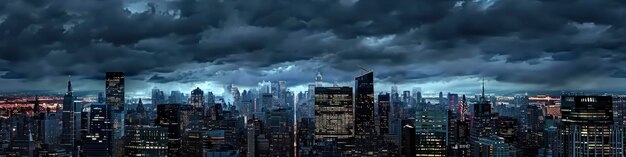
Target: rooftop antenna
{"x": 364, "y": 69}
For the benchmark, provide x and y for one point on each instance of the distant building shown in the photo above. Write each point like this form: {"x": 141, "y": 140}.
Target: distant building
{"x": 115, "y": 91}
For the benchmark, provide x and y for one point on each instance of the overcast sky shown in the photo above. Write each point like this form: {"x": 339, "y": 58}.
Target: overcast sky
{"x": 438, "y": 45}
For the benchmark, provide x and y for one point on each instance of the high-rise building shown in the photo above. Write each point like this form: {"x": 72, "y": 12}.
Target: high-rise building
{"x": 96, "y": 131}
{"x": 587, "y": 126}
{"x": 158, "y": 97}
{"x": 115, "y": 100}
{"x": 318, "y": 80}
{"x": 364, "y": 117}
{"x": 280, "y": 132}
{"x": 431, "y": 128}
{"x": 334, "y": 119}
{"x": 115, "y": 91}
{"x": 146, "y": 141}
{"x": 306, "y": 137}
{"x": 483, "y": 124}
{"x": 197, "y": 98}
{"x": 408, "y": 141}
{"x": 384, "y": 107}
{"x": 68, "y": 122}
{"x": 168, "y": 116}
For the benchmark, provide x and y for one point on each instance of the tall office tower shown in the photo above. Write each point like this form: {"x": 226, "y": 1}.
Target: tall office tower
{"x": 158, "y": 97}
{"x": 483, "y": 123}
{"x": 384, "y": 107}
{"x": 100, "y": 97}
{"x": 115, "y": 91}
{"x": 318, "y": 80}
{"x": 364, "y": 120}
{"x": 68, "y": 134}
{"x": 453, "y": 103}
{"x": 115, "y": 100}
{"x": 587, "y": 124}
{"x": 408, "y": 141}
{"x": 96, "y": 131}
{"x": 311, "y": 92}
{"x": 431, "y": 128}
{"x": 406, "y": 98}
{"x": 176, "y": 97}
{"x": 210, "y": 99}
{"x": 267, "y": 102}
{"x": 442, "y": 101}
{"x": 197, "y": 98}
{"x": 306, "y": 137}
{"x": 619, "y": 109}
{"x": 417, "y": 94}
{"x": 168, "y": 116}
{"x": 280, "y": 132}
{"x": 530, "y": 131}
{"x": 251, "y": 139}
{"x": 282, "y": 87}
{"x": 146, "y": 141}
{"x": 50, "y": 129}
{"x": 334, "y": 119}
{"x": 553, "y": 140}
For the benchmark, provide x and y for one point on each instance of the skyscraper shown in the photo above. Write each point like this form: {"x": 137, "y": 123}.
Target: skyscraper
{"x": 364, "y": 121}
{"x": 115, "y": 91}
{"x": 158, "y": 97}
{"x": 197, "y": 98}
{"x": 587, "y": 124}
{"x": 483, "y": 123}
{"x": 96, "y": 131}
{"x": 68, "y": 135}
{"x": 334, "y": 118}
{"x": 168, "y": 116}
{"x": 280, "y": 131}
{"x": 431, "y": 129}
{"x": 384, "y": 107}
{"x": 318, "y": 80}
{"x": 115, "y": 101}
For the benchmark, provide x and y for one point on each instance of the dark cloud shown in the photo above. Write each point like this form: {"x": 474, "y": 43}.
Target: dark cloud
{"x": 544, "y": 43}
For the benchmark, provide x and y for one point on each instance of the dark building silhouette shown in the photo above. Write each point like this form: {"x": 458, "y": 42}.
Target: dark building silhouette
{"x": 384, "y": 107}
{"x": 168, "y": 116}
{"x": 68, "y": 133}
{"x": 364, "y": 117}
{"x": 96, "y": 131}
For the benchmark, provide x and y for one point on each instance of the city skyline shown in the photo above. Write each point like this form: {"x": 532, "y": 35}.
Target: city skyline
{"x": 181, "y": 45}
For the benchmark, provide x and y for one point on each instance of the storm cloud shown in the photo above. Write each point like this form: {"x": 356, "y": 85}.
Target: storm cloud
{"x": 538, "y": 44}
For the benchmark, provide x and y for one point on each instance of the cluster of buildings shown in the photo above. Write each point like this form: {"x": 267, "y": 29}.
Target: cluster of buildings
{"x": 333, "y": 121}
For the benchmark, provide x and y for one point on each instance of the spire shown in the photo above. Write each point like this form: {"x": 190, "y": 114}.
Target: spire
{"x": 483, "y": 99}
{"x": 140, "y": 106}
{"x": 69, "y": 85}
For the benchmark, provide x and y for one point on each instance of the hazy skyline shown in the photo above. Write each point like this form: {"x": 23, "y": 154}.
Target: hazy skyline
{"x": 442, "y": 45}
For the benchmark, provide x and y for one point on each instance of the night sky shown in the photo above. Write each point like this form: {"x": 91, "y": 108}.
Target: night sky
{"x": 438, "y": 45}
